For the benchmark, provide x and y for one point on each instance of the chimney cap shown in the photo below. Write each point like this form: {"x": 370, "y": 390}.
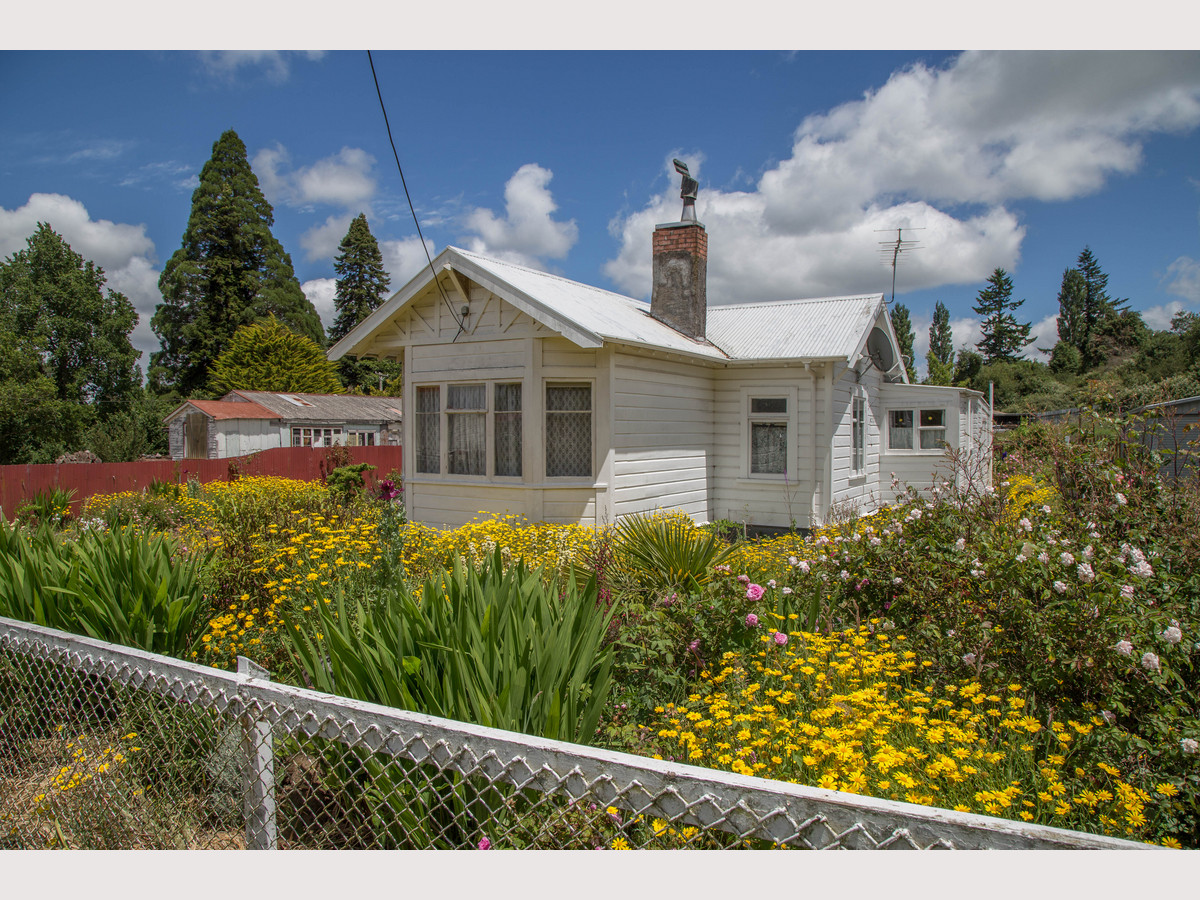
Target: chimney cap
{"x": 687, "y": 191}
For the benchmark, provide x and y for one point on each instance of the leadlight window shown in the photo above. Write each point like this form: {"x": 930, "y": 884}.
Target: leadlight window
{"x": 568, "y": 430}
{"x": 428, "y": 430}
{"x": 507, "y": 429}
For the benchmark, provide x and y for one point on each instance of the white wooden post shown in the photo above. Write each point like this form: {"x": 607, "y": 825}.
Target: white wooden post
{"x": 258, "y": 749}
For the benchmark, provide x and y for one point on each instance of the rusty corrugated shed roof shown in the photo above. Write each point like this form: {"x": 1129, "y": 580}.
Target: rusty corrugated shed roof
{"x": 228, "y": 409}
{"x": 293, "y": 407}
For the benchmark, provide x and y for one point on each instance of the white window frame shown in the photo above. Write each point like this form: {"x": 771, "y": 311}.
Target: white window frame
{"x": 358, "y": 437}
{"x": 547, "y": 384}
{"x": 858, "y": 433}
{"x": 751, "y": 418}
{"x": 917, "y": 428}
{"x": 328, "y": 435}
{"x": 489, "y": 411}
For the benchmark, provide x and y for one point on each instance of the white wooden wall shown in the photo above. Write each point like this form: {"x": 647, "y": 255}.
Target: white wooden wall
{"x": 770, "y": 500}
{"x": 663, "y": 433}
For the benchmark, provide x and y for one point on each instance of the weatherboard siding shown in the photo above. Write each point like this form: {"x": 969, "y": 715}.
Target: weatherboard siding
{"x": 763, "y": 500}
{"x": 662, "y": 436}
{"x": 855, "y": 493}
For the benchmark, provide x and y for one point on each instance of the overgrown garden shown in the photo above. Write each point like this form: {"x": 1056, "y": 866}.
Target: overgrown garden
{"x": 1029, "y": 651}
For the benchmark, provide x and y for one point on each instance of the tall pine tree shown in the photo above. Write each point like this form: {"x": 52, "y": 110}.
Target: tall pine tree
{"x": 361, "y": 281}
{"x": 229, "y": 272}
{"x": 940, "y": 359}
{"x": 902, "y": 325}
{"x": 361, "y": 286}
{"x": 1003, "y": 336}
{"x": 1071, "y": 301}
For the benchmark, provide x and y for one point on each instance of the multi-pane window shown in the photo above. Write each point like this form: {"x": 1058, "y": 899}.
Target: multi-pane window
{"x": 471, "y": 440}
{"x": 507, "y": 429}
{"x": 428, "y": 430}
{"x": 360, "y": 439}
{"x": 466, "y": 429}
{"x": 923, "y": 429}
{"x": 768, "y": 435}
{"x": 305, "y": 436}
{"x": 568, "y": 430}
{"x": 858, "y": 428}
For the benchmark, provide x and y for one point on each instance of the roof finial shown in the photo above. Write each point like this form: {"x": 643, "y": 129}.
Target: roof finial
{"x": 687, "y": 192}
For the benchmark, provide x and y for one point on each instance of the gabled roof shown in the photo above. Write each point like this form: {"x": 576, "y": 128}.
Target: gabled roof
{"x": 826, "y": 328}
{"x": 293, "y": 407}
{"x": 225, "y": 409}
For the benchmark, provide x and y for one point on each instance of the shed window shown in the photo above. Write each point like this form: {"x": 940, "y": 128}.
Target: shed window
{"x": 315, "y": 437}
{"x": 568, "y": 430}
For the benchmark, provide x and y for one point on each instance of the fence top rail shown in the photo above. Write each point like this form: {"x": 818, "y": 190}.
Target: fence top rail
{"x": 633, "y": 782}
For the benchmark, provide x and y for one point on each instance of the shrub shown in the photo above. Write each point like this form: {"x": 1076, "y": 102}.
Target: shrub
{"x": 657, "y": 552}
{"x": 499, "y": 647}
{"x": 117, "y": 586}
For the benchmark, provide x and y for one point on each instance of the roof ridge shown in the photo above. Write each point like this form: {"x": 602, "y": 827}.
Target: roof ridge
{"x": 545, "y": 274}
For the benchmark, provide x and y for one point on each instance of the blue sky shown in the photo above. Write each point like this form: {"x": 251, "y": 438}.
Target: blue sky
{"x": 561, "y": 160}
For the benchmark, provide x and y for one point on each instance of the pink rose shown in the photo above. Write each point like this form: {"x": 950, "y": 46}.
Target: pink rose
{"x": 754, "y": 592}
{"x": 780, "y": 638}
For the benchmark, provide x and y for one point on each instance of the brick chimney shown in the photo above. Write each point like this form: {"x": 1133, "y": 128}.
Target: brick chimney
{"x": 679, "y": 296}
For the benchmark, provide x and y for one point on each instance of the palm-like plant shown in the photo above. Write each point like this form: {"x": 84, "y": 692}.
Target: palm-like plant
{"x": 666, "y": 552}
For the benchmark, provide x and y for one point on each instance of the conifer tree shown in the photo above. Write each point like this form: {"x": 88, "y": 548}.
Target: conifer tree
{"x": 902, "y": 325}
{"x": 1071, "y": 300}
{"x": 361, "y": 282}
{"x": 940, "y": 359}
{"x": 229, "y": 272}
{"x": 267, "y": 356}
{"x": 1003, "y": 336}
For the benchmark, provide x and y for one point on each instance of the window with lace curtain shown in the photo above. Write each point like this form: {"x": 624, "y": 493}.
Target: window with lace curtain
{"x": 428, "y": 430}
{"x": 568, "y": 430}
{"x": 507, "y": 429}
{"x": 466, "y": 429}
{"x": 768, "y": 435}
{"x": 858, "y": 427}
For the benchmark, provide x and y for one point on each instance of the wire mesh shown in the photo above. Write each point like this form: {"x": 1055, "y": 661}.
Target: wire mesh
{"x": 104, "y": 747}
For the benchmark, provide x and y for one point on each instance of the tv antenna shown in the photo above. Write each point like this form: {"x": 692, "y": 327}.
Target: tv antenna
{"x": 891, "y": 251}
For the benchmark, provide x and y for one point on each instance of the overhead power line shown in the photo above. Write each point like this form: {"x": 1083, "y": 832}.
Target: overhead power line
{"x": 411, "y": 209}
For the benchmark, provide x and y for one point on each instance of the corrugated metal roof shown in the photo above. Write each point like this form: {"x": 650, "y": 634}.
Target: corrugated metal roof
{"x": 828, "y": 327}
{"x": 227, "y": 409}
{"x": 323, "y": 407}
{"x": 609, "y": 316}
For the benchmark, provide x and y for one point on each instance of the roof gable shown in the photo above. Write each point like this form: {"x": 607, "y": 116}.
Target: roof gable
{"x": 224, "y": 409}
{"x": 824, "y": 328}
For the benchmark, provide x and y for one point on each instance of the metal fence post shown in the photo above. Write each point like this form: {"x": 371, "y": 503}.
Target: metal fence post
{"x": 258, "y": 749}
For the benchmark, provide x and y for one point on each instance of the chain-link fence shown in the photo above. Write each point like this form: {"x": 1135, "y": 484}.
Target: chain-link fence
{"x": 107, "y": 747}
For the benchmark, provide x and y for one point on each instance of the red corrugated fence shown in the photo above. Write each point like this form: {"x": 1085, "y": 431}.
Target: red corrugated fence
{"x": 20, "y": 483}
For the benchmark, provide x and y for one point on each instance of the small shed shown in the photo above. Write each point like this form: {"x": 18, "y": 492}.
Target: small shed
{"x": 1172, "y": 428}
{"x": 244, "y": 422}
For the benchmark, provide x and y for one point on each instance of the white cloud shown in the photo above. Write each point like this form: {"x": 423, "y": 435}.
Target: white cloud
{"x": 320, "y": 292}
{"x": 124, "y": 252}
{"x": 1159, "y": 317}
{"x": 276, "y": 64}
{"x": 528, "y": 232}
{"x": 1045, "y": 335}
{"x": 404, "y": 258}
{"x": 343, "y": 179}
{"x": 939, "y": 149}
{"x": 1183, "y": 279}
{"x": 322, "y": 241}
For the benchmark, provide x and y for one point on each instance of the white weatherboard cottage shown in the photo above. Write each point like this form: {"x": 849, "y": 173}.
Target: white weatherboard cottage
{"x": 561, "y": 402}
